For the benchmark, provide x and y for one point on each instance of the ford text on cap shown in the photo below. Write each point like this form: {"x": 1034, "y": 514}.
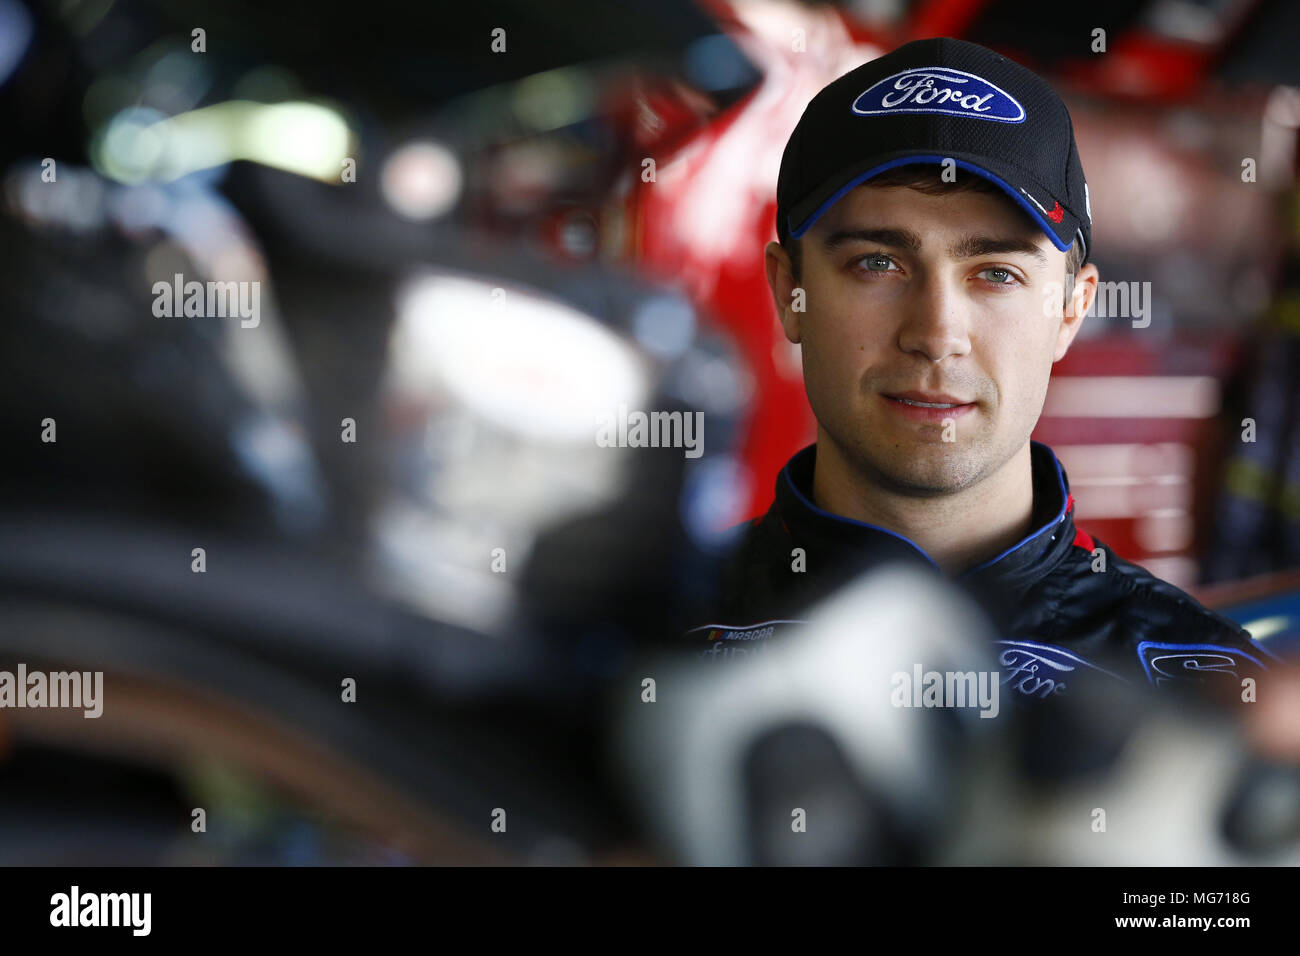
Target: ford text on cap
{"x": 927, "y": 102}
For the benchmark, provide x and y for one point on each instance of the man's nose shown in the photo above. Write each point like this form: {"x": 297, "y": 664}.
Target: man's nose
{"x": 936, "y": 320}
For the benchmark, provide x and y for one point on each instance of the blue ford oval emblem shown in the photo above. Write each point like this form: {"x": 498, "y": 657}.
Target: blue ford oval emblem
{"x": 938, "y": 89}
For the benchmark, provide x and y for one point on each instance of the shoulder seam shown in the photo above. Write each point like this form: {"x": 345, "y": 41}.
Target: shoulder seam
{"x": 1140, "y": 585}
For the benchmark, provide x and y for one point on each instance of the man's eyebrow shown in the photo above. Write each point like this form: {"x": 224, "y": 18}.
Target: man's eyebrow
{"x": 972, "y": 246}
{"x": 898, "y": 238}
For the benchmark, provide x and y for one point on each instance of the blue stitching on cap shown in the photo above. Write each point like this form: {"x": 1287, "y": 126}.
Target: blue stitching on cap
{"x": 933, "y": 160}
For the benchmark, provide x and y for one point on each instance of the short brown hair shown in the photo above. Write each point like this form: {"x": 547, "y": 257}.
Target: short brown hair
{"x": 922, "y": 178}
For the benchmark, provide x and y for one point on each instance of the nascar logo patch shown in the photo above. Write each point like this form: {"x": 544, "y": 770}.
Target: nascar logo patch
{"x": 938, "y": 89}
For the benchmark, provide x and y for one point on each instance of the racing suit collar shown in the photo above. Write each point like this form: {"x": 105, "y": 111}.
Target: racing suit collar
{"x": 1016, "y": 568}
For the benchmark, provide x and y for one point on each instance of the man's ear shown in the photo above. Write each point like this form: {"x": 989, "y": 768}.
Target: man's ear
{"x": 781, "y": 281}
{"x": 1085, "y": 290}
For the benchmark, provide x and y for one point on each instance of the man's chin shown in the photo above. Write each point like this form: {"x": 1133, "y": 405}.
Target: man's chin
{"x": 928, "y": 470}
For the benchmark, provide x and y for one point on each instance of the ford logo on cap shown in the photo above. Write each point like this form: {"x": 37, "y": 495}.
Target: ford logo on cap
{"x": 938, "y": 89}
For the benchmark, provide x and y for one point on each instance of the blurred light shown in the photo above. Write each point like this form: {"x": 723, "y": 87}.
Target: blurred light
{"x": 1154, "y": 214}
{"x": 716, "y": 63}
{"x": 578, "y": 234}
{"x": 1164, "y": 529}
{"x": 1132, "y": 461}
{"x": 303, "y": 138}
{"x": 553, "y": 99}
{"x": 531, "y": 365}
{"x": 665, "y": 326}
{"x": 1147, "y": 481}
{"x": 1188, "y": 22}
{"x": 1122, "y": 462}
{"x": 1119, "y": 396}
{"x": 1277, "y": 144}
{"x": 131, "y": 146}
{"x": 177, "y": 82}
{"x": 1133, "y": 499}
{"x": 78, "y": 204}
{"x": 136, "y": 209}
{"x": 525, "y": 174}
{"x": 421, "y": 180}
{"x": 277, "y": 453}
{"x": 713, "y": 500}
{"x": 712, "y": 383}
{"x": 1267, "y": 626}
{"x": 15, "y": 34}
{"x": 1283, "y": 107}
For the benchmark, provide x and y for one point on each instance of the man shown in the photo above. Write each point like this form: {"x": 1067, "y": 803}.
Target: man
{"x": 934, "y": 228}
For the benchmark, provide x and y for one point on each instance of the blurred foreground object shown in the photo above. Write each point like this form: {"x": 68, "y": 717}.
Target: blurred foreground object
{"x": 803, "y": 753}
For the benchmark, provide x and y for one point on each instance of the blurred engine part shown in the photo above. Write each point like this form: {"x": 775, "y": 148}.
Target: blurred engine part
{"x": 730, "y": 750}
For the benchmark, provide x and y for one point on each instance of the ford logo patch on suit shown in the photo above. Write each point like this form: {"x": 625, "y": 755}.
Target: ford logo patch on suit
{"x": 939, "y": 89}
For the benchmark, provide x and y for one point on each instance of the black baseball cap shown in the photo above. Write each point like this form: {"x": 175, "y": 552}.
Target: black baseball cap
{"x": 926, "y": 102}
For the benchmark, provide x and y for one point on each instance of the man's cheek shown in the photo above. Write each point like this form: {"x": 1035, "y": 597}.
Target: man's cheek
{"x": 829, "y": 381}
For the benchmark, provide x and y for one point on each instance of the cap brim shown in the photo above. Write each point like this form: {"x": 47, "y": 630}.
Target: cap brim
{"x": 1063, "y": 233}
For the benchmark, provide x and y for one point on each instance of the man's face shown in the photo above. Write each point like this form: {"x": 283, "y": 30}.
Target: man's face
{"x": 953, "y": 298}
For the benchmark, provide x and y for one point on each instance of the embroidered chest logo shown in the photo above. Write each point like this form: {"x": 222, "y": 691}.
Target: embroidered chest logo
{"x": 1041, "y": 670}
{"x": 1165, "y": 663}
{"x": 723, "y": 641}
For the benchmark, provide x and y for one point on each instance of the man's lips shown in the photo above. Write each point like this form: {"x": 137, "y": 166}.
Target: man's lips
{"x": 929, "y": 398}
{"x": 927, "y": 406}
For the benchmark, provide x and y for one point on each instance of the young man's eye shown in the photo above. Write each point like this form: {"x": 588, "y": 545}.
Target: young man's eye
{"x": 999, "y": 276}
{"x": 876, "y": 262}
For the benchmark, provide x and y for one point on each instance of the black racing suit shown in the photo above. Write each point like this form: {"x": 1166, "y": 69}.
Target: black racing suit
{"x": 1065, "y": 606}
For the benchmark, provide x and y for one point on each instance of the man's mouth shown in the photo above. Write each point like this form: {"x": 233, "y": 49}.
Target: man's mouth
{"x": 908, "y": 401}
{"x": 928, "y": 400}
{"x": 934, "y": 408}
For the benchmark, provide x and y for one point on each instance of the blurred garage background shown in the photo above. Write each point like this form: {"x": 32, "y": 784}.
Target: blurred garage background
{"x": 384, "y": 171}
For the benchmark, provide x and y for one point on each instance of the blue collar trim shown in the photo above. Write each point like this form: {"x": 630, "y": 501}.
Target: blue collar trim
{"x": 841, "y": 519}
